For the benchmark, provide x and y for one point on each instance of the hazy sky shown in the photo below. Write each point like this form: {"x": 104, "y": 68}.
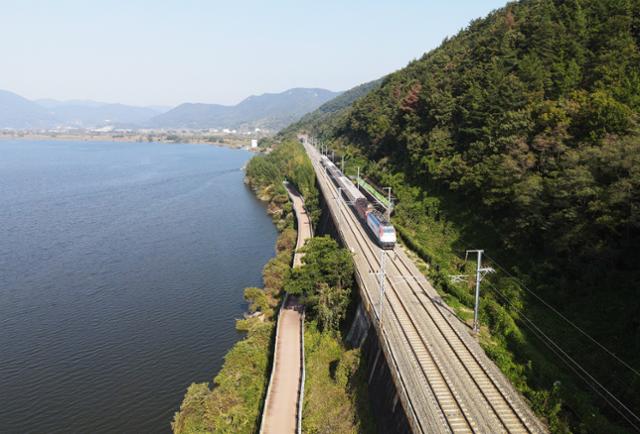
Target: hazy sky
{"x": 159, "y": 52}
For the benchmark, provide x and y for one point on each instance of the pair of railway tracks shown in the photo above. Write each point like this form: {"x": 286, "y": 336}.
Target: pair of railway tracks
{"x": 467, "y": 395}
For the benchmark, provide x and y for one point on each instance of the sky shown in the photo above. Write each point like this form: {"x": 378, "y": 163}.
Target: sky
{"x": 161, "y": 52}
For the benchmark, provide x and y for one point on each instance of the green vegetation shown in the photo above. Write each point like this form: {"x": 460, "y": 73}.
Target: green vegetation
{"x": 520, "y": 136}
{"x": 233, "y": 405}
{"x": 287, "y": 161}
{"x": 324, "y": 281}
{"x": 336, "y": 394}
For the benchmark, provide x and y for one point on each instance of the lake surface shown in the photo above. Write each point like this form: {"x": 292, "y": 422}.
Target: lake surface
{"x": 122, "y": 267}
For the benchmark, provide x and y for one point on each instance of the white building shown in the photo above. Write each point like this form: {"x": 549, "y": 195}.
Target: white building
{"x": 254, "y": 143}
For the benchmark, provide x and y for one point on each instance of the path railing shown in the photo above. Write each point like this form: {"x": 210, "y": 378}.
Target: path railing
{"x": 273, "y": 365}
{"x": 302, "y": 377}
{"x": 301, "y": 381}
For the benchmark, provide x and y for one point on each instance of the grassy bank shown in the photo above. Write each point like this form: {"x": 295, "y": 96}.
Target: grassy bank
{"x": 233, "y": 403}
{"x": 336, "y": 394}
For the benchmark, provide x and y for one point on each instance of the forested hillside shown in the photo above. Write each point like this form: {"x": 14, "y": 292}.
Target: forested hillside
{"x": 520, "y": 136}
{"x": 331, "y": 112}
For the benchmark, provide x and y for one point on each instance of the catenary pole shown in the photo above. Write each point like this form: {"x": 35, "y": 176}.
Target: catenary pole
{"x": 480, "y": 273}
{"x": 476, "y": 325}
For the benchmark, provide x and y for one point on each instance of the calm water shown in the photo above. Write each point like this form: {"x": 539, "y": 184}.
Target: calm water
{"x": 122, "y": 267}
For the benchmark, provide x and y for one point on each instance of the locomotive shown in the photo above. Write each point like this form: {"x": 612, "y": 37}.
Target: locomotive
{"x": 382, "y": 231}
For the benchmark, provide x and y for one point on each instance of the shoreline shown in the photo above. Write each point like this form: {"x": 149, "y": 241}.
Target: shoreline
{"x": 243, "y": 378}
{"x": 233, "y": 142}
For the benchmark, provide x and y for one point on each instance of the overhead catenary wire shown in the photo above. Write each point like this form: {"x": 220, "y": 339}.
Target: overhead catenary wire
{"x": 568, "y": 360}
{"x": 567, "y": 320}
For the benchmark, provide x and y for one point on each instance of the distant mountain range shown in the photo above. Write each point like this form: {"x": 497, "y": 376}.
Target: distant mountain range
{"x": 81, "y": 113}
{"x": 20, "y": 113}
{"x": 268, "y": 111}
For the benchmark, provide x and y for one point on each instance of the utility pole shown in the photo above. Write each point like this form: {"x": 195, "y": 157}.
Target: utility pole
{"x": 480, "y": 273}
{"x": 344, "y": 159}
{"x": 358, "y": 178}
{"x": 342, "y": 164}
{"x": 390, "y": 205}
{"x": 338, "y": 205}
{"x": 333, "y": 155}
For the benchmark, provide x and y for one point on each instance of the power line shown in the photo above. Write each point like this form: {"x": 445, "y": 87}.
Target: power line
{"x": 584, "y": 333}
{"x": 553, "y": 346}
{"x": 559, "y": 353}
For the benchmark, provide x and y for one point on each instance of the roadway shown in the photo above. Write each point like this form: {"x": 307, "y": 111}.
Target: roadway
{"x": 444, "y": 380}
{"x": 284, "y": 391}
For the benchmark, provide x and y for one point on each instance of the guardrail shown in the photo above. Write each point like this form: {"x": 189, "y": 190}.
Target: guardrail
{"x": 302, "y": 377}
{"x": 379, "y": 197}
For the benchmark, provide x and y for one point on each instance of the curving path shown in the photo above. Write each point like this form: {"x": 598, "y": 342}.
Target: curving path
{"x": 281, "y": 404}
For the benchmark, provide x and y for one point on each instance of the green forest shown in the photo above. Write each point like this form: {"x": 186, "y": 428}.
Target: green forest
{"x": 520, "y": 136}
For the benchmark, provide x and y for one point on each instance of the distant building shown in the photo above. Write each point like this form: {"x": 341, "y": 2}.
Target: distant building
{"x": 104, "y": 129}
{"x": 254, "y": 143}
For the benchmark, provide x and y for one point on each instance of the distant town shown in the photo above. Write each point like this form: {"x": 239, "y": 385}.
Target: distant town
{"x": 246, "y": 139}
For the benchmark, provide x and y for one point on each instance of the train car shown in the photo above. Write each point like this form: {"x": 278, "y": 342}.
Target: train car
{"x": 335, "y": 175}
{"x": 349, "y": 189}
{"x": 381, "y": 229}
{"x": 356, "y": 199}
{"x": 363, "y": 206}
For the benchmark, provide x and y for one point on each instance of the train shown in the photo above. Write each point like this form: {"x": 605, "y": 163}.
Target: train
{"x": 379, "y": 227}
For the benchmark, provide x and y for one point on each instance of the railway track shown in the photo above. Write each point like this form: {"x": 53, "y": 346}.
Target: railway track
{"x": 453, "y": 374}
{"x": 434, "y": 383}
{"x": 486, "y": 382}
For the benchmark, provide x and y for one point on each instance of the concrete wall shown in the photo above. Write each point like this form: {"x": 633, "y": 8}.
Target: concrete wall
{"x": 387, "y": 409}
